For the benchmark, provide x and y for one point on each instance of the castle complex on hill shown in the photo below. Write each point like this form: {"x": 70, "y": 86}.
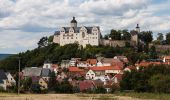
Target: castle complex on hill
{"x": 89, "y": 35}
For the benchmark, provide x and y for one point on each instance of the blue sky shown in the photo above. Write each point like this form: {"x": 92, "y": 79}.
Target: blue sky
{"x": 24, "y": 22}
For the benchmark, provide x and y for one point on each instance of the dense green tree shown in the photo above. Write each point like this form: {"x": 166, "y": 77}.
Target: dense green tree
{"x": 147, "y": 79}
{"x": 160, "y": 83}
{"x": 126, "y": 35}
{"x": 43, "y": 42}
{"x": 115, "y": 35}
{"x": 168, "y": 38}
{"x": 146, "y": 36}
{"x": 160, "y": 37}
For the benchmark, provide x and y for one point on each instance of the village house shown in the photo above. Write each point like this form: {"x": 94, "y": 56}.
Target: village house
{"x": 65, "y": 64}
{"x": 10, "y": 79}
{"x": 43, "y": 84}
{"x": 166, "y": 59}
{"x": 101, "y": 72}
{"x": 122, "y": 58}
{"x": 76, "y": 72}
{"x": 45, "y": 74}
{"x": 3, "y": 80}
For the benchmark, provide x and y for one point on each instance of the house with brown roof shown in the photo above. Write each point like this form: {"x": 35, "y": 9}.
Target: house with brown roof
{"x": 122, "y": 58}
{"x": 76, "y": 72}
{"x": 86, "y": 85}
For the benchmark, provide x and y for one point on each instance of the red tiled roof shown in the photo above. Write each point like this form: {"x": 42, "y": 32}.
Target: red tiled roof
{"x": 117, "y": 68}
{"x": 103, "y": 68}
{"x": 131, "y": 67}
{"x": 86, "y": 84}
{"x": 75, "y": 69}
{"x": 54, "y": 66}
{"x": 145, "y": 64}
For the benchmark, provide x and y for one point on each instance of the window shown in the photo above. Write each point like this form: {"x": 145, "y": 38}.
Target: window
{"x": 67, "y": 37}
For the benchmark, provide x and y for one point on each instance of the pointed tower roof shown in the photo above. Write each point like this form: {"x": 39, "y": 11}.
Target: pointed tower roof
{"x": 74, "y": 20}
{"x": 137, "y": 26}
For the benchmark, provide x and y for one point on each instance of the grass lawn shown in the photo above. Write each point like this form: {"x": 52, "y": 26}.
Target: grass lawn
{"x": 145, "y": 95}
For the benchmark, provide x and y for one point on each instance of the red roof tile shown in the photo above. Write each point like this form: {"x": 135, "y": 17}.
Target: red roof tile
{"x": 75, "y": 69}
{"x": 103, "y": 68}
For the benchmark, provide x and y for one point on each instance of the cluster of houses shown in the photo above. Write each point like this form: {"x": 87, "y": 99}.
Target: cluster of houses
{"x": 84, "y": 75}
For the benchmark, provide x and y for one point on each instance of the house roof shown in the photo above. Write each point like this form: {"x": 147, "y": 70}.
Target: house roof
{"x": 131, "y": 67}
{"x": 122, "y": 58}
{"x": 2, "y": 75}
{"x": 54, "y": 65}
{"x": 103, "y": 68}
{"x": 117, "y": 68}
{"x": 57, "y": 33}
{"x": 32, "y": 72}
{"x": 75, "y": 69}
{"x": 45, "y": 72}
{"x": 145, "y": 64}
{"x": 92, "y": 61}
{"x": 86, "y": 84}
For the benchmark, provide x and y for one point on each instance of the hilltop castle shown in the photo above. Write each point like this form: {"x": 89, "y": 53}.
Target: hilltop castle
{"x": 89, "y": 35}
{"x": 81, "y": 35}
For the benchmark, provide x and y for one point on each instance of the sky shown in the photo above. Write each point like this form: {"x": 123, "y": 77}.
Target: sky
{"x": 24, "y": 22}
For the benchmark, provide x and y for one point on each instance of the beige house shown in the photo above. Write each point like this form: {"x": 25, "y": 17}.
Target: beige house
{"x": 43, "y": 84}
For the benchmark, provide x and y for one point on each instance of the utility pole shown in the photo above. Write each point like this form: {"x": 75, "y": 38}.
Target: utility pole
{"x": 19, "y": 63}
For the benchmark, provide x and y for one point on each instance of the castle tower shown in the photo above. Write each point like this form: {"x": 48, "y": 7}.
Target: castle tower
{"x": 73, "y": 23}
{"x": 137, "y": 28}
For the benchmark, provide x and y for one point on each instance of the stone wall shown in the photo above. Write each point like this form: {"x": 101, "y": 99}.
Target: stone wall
{"x": 161, "y": 47}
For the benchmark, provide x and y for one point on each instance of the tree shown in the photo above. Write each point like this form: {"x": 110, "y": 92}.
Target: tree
{"x": 146, "y": 36}
{"x": 26, "y": 84}
{"x": 160, "y": 37}
{"x": 153, "y": 53}
{"x": 115, "y": 35}
{"x": 126, "y": 35}
{"x": 168, "y": 38}
{"x": 43, "y": 42}
{"x": 160, "y": 83}
{"x": 50, "y": 39}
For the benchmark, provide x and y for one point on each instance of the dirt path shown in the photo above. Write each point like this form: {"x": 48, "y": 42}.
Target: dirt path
{"x": 65, "y": 97}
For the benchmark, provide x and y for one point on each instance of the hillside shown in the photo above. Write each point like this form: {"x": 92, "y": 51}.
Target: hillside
{"x": 56, "y": 53}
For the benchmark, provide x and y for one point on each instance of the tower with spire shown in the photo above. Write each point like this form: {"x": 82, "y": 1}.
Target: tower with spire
{"x": 137, "y": 28}
{"x": 73, "y": 22}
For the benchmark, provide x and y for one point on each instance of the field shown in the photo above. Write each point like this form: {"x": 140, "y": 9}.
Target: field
{"x": 63, "y": 97}
{"x": 117, "y": 96}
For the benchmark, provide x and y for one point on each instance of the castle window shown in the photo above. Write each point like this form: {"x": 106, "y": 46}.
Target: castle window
{"x": 67, "y": 37}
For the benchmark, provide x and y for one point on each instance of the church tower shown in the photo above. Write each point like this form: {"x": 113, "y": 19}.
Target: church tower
{"x": 137, "y": 28}
{"x": 73, "y": 23}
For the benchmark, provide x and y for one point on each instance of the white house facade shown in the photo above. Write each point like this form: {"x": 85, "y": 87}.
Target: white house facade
{"x": 81, "y": 35}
